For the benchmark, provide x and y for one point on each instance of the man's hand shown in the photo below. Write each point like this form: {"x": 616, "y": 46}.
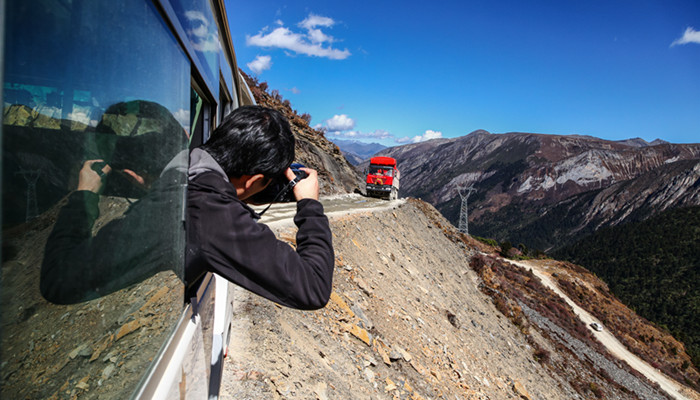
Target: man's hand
{"x": 90, "y": 178}
{"x": 306, "y": 188}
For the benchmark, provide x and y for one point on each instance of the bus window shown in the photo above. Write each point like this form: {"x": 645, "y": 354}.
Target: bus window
{"x": 203, "y": 34}
{"x": 96, "y": 97}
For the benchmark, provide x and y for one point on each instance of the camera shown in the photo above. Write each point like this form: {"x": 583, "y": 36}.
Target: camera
{"x": 280, "y": 189}
{"x": 118, "y": 183}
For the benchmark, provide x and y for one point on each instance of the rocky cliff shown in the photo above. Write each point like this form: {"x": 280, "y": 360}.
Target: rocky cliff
{"x": 547, "y": 190}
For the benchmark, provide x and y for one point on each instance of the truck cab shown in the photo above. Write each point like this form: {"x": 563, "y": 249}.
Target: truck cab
{"x": 383, "y": 178}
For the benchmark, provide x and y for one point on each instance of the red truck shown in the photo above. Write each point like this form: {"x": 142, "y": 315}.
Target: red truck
{"x": 383, "y": 178}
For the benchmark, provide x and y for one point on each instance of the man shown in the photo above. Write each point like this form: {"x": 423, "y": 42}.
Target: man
{"x": 139, "y": 153}
{"x": 252, "y": 147}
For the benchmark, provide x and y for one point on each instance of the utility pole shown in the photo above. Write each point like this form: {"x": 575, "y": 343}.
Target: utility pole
{"x": 464, "y": 212}
{"x": 30, "y": 176}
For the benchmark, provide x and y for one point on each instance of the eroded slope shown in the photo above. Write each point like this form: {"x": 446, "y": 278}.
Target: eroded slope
{"x": 410, "y": 318}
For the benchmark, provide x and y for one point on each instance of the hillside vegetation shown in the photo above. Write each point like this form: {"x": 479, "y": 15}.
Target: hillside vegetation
{"x": 654, "y": 267}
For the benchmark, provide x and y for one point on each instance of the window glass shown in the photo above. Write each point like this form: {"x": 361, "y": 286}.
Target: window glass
{"x": 197, "y": 20}
{"x": 381, "y": 171}
{"x": 227, "y": 73}
{"x": 91, "y": 278}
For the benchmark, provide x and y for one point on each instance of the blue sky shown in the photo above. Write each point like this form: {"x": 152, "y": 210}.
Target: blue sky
{"x": 400, "y": 72}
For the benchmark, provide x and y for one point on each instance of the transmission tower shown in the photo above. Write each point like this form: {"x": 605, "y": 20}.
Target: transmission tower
{"x": 463, "y": 211}
{"x": 30, "y": 176}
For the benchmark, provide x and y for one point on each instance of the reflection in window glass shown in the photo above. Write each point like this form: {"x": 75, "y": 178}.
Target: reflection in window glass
{"x": 95, "y": 122}
{"x": 227, "y": 74}
{"x": 198, "y": 22}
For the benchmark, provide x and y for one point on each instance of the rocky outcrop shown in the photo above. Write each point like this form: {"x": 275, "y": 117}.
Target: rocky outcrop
{"x": 522, "y": 177}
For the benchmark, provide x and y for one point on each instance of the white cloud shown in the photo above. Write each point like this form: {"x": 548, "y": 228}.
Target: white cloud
{"x": 183, "y": 117}
{"x": 260, "y": 64}
{"x": 339, "y": 123}
{"x": 429, "y": 134}
{"x": 689, "y": 36}
{"x": 203, "y": 39}
{"x": 310, "y": 43}
{"x": 378, "y": 134}
{"x": 196, "y": 16}
{"x": 341, "y": 126}
{"x": 314, "y": 20}
{"x": 211, "y": 44}
{"x": 317, "y": 36}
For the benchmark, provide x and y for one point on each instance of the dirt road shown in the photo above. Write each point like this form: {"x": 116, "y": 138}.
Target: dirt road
{"x": 613, "y": 345}
{"x": 334, "y": 206}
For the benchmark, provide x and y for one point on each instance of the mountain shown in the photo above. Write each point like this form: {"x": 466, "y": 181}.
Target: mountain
{"x": 546, "y": 191}
{"x": 639, "y": 142}
{"x": 356, "y": 151}
{"x": 420, "y": 311}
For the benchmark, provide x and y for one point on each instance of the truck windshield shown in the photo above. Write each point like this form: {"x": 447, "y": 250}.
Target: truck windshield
{"x": 381, "y": 170}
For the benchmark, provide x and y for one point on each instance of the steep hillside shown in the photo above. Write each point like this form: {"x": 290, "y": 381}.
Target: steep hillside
{"x": 420, "y": 311}
{"x": 653, "y": 266}
{"x": 548, "y": 190}
{"x": 336, "y": 174}
{"x": 669, "y": 186}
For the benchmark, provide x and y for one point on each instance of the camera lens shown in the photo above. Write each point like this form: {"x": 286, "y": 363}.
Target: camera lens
{"x": 280, "y": 189}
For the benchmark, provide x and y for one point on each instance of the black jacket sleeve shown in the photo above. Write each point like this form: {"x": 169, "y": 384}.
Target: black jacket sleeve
{"x": 223, "y": 237}
{"x": 78, "y": 266}
{"x": 66, "y": 275}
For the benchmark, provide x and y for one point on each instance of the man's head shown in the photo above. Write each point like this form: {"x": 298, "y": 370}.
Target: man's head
{"x": 252, "y": 140}
{"x": 139, "y": 138}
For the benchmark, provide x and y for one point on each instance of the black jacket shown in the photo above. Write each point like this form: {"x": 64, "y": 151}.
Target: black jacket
{"x": 147, "y": 239}
{"x": 224, "y": 237}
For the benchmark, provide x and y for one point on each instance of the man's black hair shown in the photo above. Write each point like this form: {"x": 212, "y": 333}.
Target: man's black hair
{"x": 139, "y": 135}
{"x": 252, "y": 140}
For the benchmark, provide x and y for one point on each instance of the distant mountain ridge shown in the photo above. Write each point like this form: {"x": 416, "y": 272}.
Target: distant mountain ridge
{"x": 549, "y": 190}
{"x": 356, "y": 151}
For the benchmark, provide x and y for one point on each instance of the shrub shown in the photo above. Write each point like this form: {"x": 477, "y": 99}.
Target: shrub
{"x": 542, "y": 355}
{"x": 489, "y": 242}
{"x": 505, "y": 248}
{"x": 478, "y": 263}
{"x": 597, "y": 391}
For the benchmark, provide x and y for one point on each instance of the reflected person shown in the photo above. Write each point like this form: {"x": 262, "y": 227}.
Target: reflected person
{"x": 138, "y": 153}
